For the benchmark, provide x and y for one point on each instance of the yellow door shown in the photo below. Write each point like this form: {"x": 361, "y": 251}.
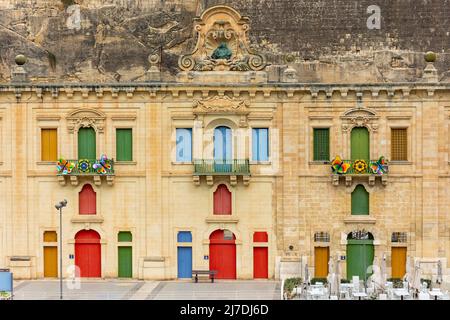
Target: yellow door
{"x": 398, "y": 262}
{"x": 51, "y": 262}
{"x": 49, "y": 145}
{"x": 321, "y": 256}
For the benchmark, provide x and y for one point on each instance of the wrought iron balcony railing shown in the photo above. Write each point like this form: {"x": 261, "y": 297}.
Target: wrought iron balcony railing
{"x": 360, "y": 167}
{"x": 87, "y": 167}
{"x": 222, "y": 167}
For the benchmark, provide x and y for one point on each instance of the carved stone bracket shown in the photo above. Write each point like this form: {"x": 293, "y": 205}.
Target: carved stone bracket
{"x": 82, "y": 118}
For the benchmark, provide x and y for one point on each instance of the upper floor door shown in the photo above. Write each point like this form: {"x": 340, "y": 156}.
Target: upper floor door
{"x": 86, "y": 143}
{"x": 360, "y": 145}
{"x": 222, "y": 143}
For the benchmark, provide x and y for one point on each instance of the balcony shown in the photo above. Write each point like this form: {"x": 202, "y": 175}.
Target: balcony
{"x": 232, "y": 168}
{"x": 369, "y": 169}
{"x": 95, "y": 168}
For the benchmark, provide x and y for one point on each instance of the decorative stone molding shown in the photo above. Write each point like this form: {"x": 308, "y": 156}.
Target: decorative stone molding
{"x": 359, "y": 117}
{"x": 222, "y": 43}
{"x": 82, "y": 118}
{"x": 222, "y": 105}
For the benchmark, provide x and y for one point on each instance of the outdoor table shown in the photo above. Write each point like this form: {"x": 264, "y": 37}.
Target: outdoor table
{"x": 436, "y": 294}
{"x": 360, "y": 295}
{"x": 402, "y": 293}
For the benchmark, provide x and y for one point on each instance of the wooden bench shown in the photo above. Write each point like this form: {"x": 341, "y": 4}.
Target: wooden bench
{"x": 210, "y": 273}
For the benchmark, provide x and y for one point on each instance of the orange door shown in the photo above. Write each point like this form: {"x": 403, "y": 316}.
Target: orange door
{"x": 321, "y": 257}
{"x": 50, "y": 262}
{"x": 398, "y": 262}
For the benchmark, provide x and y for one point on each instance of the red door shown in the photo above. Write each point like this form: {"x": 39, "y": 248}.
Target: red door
{"x": 88, "y": 253}
{"x": 260, "y": 263}
{"x": 222, "y": 254}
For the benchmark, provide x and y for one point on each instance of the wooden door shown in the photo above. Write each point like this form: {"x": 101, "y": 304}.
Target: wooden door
{"x": 86, "y": 144}
{"x": 222, "y": 200}
{"x": 222, "y": 255}
{"x": 321, "y": 258}
{"x": 360, "y": 255}
{"x": 398, "y": 262}
{"x": 51, "y": 262}
{"x": 125, "y": 262}
{"x": 260, "y": 262}
{"x": 88, "y": 253}
{"x": 184, "y": 262}
{"x": 360, "y": 147}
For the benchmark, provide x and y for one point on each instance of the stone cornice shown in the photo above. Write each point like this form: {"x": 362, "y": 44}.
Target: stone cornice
{"x": 314, "y": 90}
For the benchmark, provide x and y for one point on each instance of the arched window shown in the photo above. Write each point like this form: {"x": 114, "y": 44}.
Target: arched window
{"x": 222, "y": 200}
{"x": 222, "y": 143}
{"x": 87, "y": 200}
{"x": 360, "y": 201}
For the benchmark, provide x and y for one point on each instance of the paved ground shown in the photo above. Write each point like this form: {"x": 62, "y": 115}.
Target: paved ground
{"x": 148, "y": 290}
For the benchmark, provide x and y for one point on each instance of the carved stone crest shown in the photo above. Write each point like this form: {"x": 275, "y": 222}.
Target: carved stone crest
{"x": 359, "y": 117}
{"x": 222, "y": 43}
{"x": 82, "y": 118}
{"x": 220, "y": 105}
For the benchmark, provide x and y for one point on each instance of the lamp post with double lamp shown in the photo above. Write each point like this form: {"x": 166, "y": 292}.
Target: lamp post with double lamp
{"x": 59, "y": 207}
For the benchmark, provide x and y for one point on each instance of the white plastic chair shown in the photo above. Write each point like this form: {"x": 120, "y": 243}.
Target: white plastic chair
{"x": 355, "y": 282}
{"x": 382, "y": 296}
{"x": 424, "y": 296}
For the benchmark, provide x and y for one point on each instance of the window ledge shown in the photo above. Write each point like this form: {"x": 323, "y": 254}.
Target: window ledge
{"x": 360, "y": 219}
{"x": 125, "y": 162}
{"x": 398, "y": 162}
{"x": 181, "y": 162}
{"x": 46, "y": 162}
{"x": 222, "y": 219}
{"x": 260, "y": 162}
{"x": 90, "y": 218}
{"x": 321, "y": 162}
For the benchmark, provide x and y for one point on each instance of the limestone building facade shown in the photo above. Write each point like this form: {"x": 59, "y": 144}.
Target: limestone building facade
{"x": 224, "y": 169}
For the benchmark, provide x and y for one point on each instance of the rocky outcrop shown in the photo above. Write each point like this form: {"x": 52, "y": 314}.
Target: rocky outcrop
{"x": 328, "y": 40}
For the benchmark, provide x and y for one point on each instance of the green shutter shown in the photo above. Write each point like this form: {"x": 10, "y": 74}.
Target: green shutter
{"x": 360, "y": 144}
{"x": 321, "y": 144}
{"x": 124, "y": 236}
{"x": 86, "y": 143}
{"x": 360, "y": 201}
{"x": 125, "y": 262}
{"x": 124, "y": 145}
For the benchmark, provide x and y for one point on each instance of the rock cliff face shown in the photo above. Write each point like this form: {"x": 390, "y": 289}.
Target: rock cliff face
{"x": 329, "y": 40}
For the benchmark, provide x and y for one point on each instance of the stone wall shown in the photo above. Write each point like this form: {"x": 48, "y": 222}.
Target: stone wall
{"x": 110, "y": 40}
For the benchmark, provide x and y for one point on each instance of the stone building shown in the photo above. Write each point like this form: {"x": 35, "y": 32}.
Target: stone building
{"x": 236, "y": 163}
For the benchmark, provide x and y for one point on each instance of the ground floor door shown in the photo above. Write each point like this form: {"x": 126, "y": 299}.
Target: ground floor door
{"x": 222, "y": 254}
{"x": 125, "y": 255}
{"x": 184, "y": 262}
{"x": 51, "y": 262}
{"x": 88, "y": 253}
{"x": 260, "y": 262}
{"x": 398, "y": 262}
{"x": 321, "y": 257}
{"x": 360, "y": 255}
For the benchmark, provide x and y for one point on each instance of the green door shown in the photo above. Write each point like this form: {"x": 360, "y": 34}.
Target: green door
{"x": 360, "y": 144}
{"x": 125, "y": 262}
{"x": 359, "y": 257}
{"x": 86, "y": 143}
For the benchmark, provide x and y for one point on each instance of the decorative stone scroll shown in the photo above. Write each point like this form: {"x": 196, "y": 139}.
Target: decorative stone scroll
{"x": 222, "y": 43}
{"x": 83, "y": 118}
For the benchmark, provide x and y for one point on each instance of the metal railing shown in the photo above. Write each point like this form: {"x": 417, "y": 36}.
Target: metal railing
{"x": 89, "y": 167}
{"x": 361, "y": 167}
{"x": 222, "y": 167}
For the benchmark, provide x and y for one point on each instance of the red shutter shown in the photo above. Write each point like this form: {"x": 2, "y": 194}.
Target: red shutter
{"x": 260, "y": 262}
{"x": 87, "y": 200}
{"x": 260, "y": 237}
{"x": 222, "y": 200}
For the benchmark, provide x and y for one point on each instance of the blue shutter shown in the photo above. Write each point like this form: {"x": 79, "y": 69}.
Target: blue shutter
{"x": 184, "y": 145}
{"x": 184, "y": 236}
{"x": 260, "y": 144}
{"x": 222, "y": 143}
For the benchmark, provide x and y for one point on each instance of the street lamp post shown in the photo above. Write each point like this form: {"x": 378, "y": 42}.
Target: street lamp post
{"x": 59, "y": 207}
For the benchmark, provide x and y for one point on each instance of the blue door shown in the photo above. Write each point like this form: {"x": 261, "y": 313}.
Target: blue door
{"x": 184, "y": 262}
{"x": 222, "y": 149}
